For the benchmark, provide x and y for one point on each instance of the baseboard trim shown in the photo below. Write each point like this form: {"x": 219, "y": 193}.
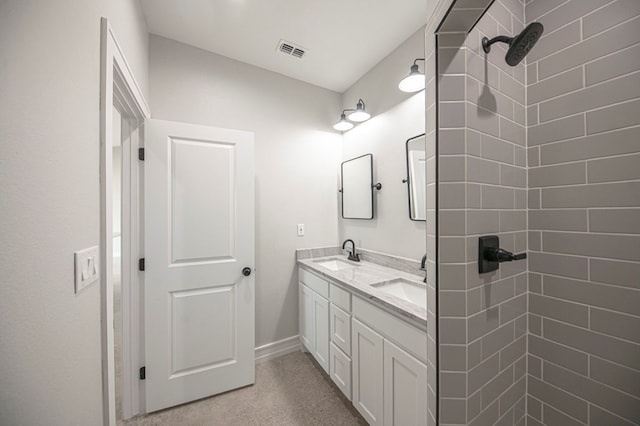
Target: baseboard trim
{"x": 277, "y": 349}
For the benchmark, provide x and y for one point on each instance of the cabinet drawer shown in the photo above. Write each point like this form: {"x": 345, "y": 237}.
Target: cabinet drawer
{"x": 340, "y": 297}
{"x": 408, "y": 337}
{"x": 340, "y": 370}
{"x": 340, "y": 328}
{"x": 314, "y": 282}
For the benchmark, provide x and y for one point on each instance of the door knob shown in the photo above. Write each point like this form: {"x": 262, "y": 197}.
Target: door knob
{"x": 490, "y": 255}
{"x": 246, "y": 271}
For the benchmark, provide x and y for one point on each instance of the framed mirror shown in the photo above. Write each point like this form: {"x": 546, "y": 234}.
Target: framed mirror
{"x": 417, "y": 177}
{"x": 356, "y": 181}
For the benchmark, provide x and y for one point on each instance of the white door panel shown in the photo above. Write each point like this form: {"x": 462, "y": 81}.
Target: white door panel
{"x": 199, "y": 235}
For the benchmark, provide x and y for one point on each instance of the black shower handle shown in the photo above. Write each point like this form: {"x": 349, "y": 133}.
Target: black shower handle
{"x": 493, "y": 254}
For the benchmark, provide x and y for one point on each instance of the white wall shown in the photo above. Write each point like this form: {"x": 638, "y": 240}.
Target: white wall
{"x": 49, "y": 169}
{"x": 397, "y": 116}
{"x": 296, "y": 156}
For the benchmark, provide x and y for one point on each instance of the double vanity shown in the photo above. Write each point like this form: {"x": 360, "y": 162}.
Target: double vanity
{"x": 365, "y": 325}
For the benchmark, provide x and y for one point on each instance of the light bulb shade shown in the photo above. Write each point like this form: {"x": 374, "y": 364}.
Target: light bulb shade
{"x": 359, "y": 115}
{"x": 343, "y": 125}
{"x": 414, "y": 82}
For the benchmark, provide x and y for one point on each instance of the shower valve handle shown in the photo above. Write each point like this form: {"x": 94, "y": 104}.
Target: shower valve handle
{"x": 501, "y": 255}
{"x": 490, "y": 255}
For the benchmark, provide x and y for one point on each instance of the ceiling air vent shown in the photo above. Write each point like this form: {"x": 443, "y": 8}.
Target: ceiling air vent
{"x": 291, "y": 49}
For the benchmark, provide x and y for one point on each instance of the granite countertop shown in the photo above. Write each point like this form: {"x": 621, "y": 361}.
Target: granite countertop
{"x": 361, "y": 280}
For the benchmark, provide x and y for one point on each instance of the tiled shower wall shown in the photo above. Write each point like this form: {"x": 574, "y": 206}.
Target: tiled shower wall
{"x": 482, "y": 191}
{"x": 583, "y": 112}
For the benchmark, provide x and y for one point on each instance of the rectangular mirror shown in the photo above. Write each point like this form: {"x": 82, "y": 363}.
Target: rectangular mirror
{"x": 357, "y": 187}
{"x": 417, "y": 177}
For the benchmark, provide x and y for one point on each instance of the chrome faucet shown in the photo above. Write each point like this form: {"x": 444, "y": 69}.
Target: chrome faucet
{"x": 423, "y": 267}
{"x": 352, "y": 254}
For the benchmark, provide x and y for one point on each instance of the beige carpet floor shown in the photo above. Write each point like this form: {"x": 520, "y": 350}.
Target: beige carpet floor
{"x": 289, "y": 391}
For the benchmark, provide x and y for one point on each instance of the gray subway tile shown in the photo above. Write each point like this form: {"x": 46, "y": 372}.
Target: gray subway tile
{"x": 453, "y": 385}
{"x": 626, "y": 221}
{"x": 460, "y": 20}
{"x": 512, "y": 352}
{"x": 557, "y": 130}
{"x": 482, "y": 120}
{"x": 451, "y": 114}
{"x": 482, "y": 171}
{"x": 452, "y": 195}
{"x": 482, "y": 373}
{"x": 621, "y": 194}
{"x": 616, "y": 376}
{"x": 558, "y": 309}
{"x": 619, "y": 63}
{"x": 533, "y": 422}
{"x": 514, "y": 397}
{"x": 513, "y": 220}
{"x": 473, "y": 142}
{"x": 534, "y": 366}
{"x": 535, "y": 283}
{"x": 452, "y": 331}
{"x": 553, "y": 417}
{"x": 534, "y": 239}
{"x": 453, "y": 357}
{"x": 512, "y": 131}
{"x": 474, "y": 301}
{"x": 451, "y": 222}
{"x": 496, "y": 197}
{"x": 568, "y": 12}
{"x": 619, "y": 299}
{"x": 513, "y": 176}
{"x": 533, "y": 198}
{"x": 482, "y": 222}
{"x": 521, "y": 198}
{"x": 622, "y": 247}
{"x": 519, "y": 114}
{"x": 624, "y": 141}
{"x": 496, "y": 149}
{"x": 607, "y": 347}
{"x": 532, "y": 115}
{"x": 558, "y": 220}
{"x": 474, "y": 196}
{"x": 487, "y": 417}
{"x": 551, "y": 42}
{"x": 451, "y": 141}
{"x": 452, "y": 303}
{"x": 614, "y": 169}
{"x": 451, "y": 60}
{"x": 557, "y": 85}
{"x": 610, "y": 15}
{"x": 452, "y": 277}
{"x": 558, "y": 398}
{"x": 590, "y": 49}
{"x": 497, "y": 340}
{"x": 482, "y": 323}
{"x": 557, "y": 264}
{"x": 598, "y": 416}
{"x": 513, "y": 308}
{"x": 453, "y": 411}
{"x": 625, "y": 274}
{"x": 619, "y": 403}
{"x": 562, "y": 174}
{"x": 616, "y": 324}
{"x": 534, "y": 407}
{"x": 535, "y": 9}
{"x": 481, "y": 70}
{"x": 532, "y": 73}
{"x": 451, "y": 249}
{"x": 451, "y": 88}
{"x": 512, "y": 87}
{"x": 614, "y": 117}
{"x": 606, "y": 93}
{"x": 558, "y": 354}
{"x": 498, "y": 292}
{"x": 516, "y": 8}
{"x": 496, "y": 386}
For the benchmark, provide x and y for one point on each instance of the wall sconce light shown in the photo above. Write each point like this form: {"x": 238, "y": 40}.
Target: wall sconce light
{"x": 357, "y": 115}
{"x": 415, "y": 81}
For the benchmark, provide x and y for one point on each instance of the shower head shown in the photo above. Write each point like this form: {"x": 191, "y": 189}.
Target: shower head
{"x": 519, "y": 45}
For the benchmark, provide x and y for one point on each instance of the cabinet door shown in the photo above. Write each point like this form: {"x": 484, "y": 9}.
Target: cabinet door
{"x": 367, "y": 378}
{"x": 340, "y": 367}
{"x": 340, "y": 327}
{"x": 405, "y": 388}
{"x": 306, "y": 318}
{"x": 321, "y": 328}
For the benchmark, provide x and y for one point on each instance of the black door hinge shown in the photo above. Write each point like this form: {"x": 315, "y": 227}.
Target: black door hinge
{"x": 143, "y": 373}
{"x": 141, "y": 265}
{"x": 141, "y": 154}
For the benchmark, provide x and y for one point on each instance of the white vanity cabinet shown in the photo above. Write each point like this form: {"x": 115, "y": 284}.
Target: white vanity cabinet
{"x": 313, "y": 304}
{"x": 368, "y": 376}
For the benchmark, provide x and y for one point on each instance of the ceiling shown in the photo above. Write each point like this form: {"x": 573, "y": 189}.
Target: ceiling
{"x": 343, "y": 39}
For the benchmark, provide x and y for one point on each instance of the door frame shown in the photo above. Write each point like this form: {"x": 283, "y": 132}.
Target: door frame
{"x": 119, "y": 89}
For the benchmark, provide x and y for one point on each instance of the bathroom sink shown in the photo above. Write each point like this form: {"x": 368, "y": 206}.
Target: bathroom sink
{"x": 335, "y": 264}
{"x": 405, "y": 290}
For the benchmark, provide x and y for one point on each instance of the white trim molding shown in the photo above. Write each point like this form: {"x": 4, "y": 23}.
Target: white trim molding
{"x": 277, "y": 349}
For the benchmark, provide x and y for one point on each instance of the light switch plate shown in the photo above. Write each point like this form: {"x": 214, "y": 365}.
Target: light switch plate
{"x": 87, "y": 267}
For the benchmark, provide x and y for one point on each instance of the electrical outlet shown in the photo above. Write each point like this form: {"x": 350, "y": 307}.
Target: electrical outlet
{"x": 300, "y": 229}
{"x": 87, "y": 267}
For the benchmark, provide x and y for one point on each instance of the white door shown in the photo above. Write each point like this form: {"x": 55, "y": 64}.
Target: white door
{"x": 405, "y": 388}
{"x": 366, "y": 355}
{"x": 199, "y": 235}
